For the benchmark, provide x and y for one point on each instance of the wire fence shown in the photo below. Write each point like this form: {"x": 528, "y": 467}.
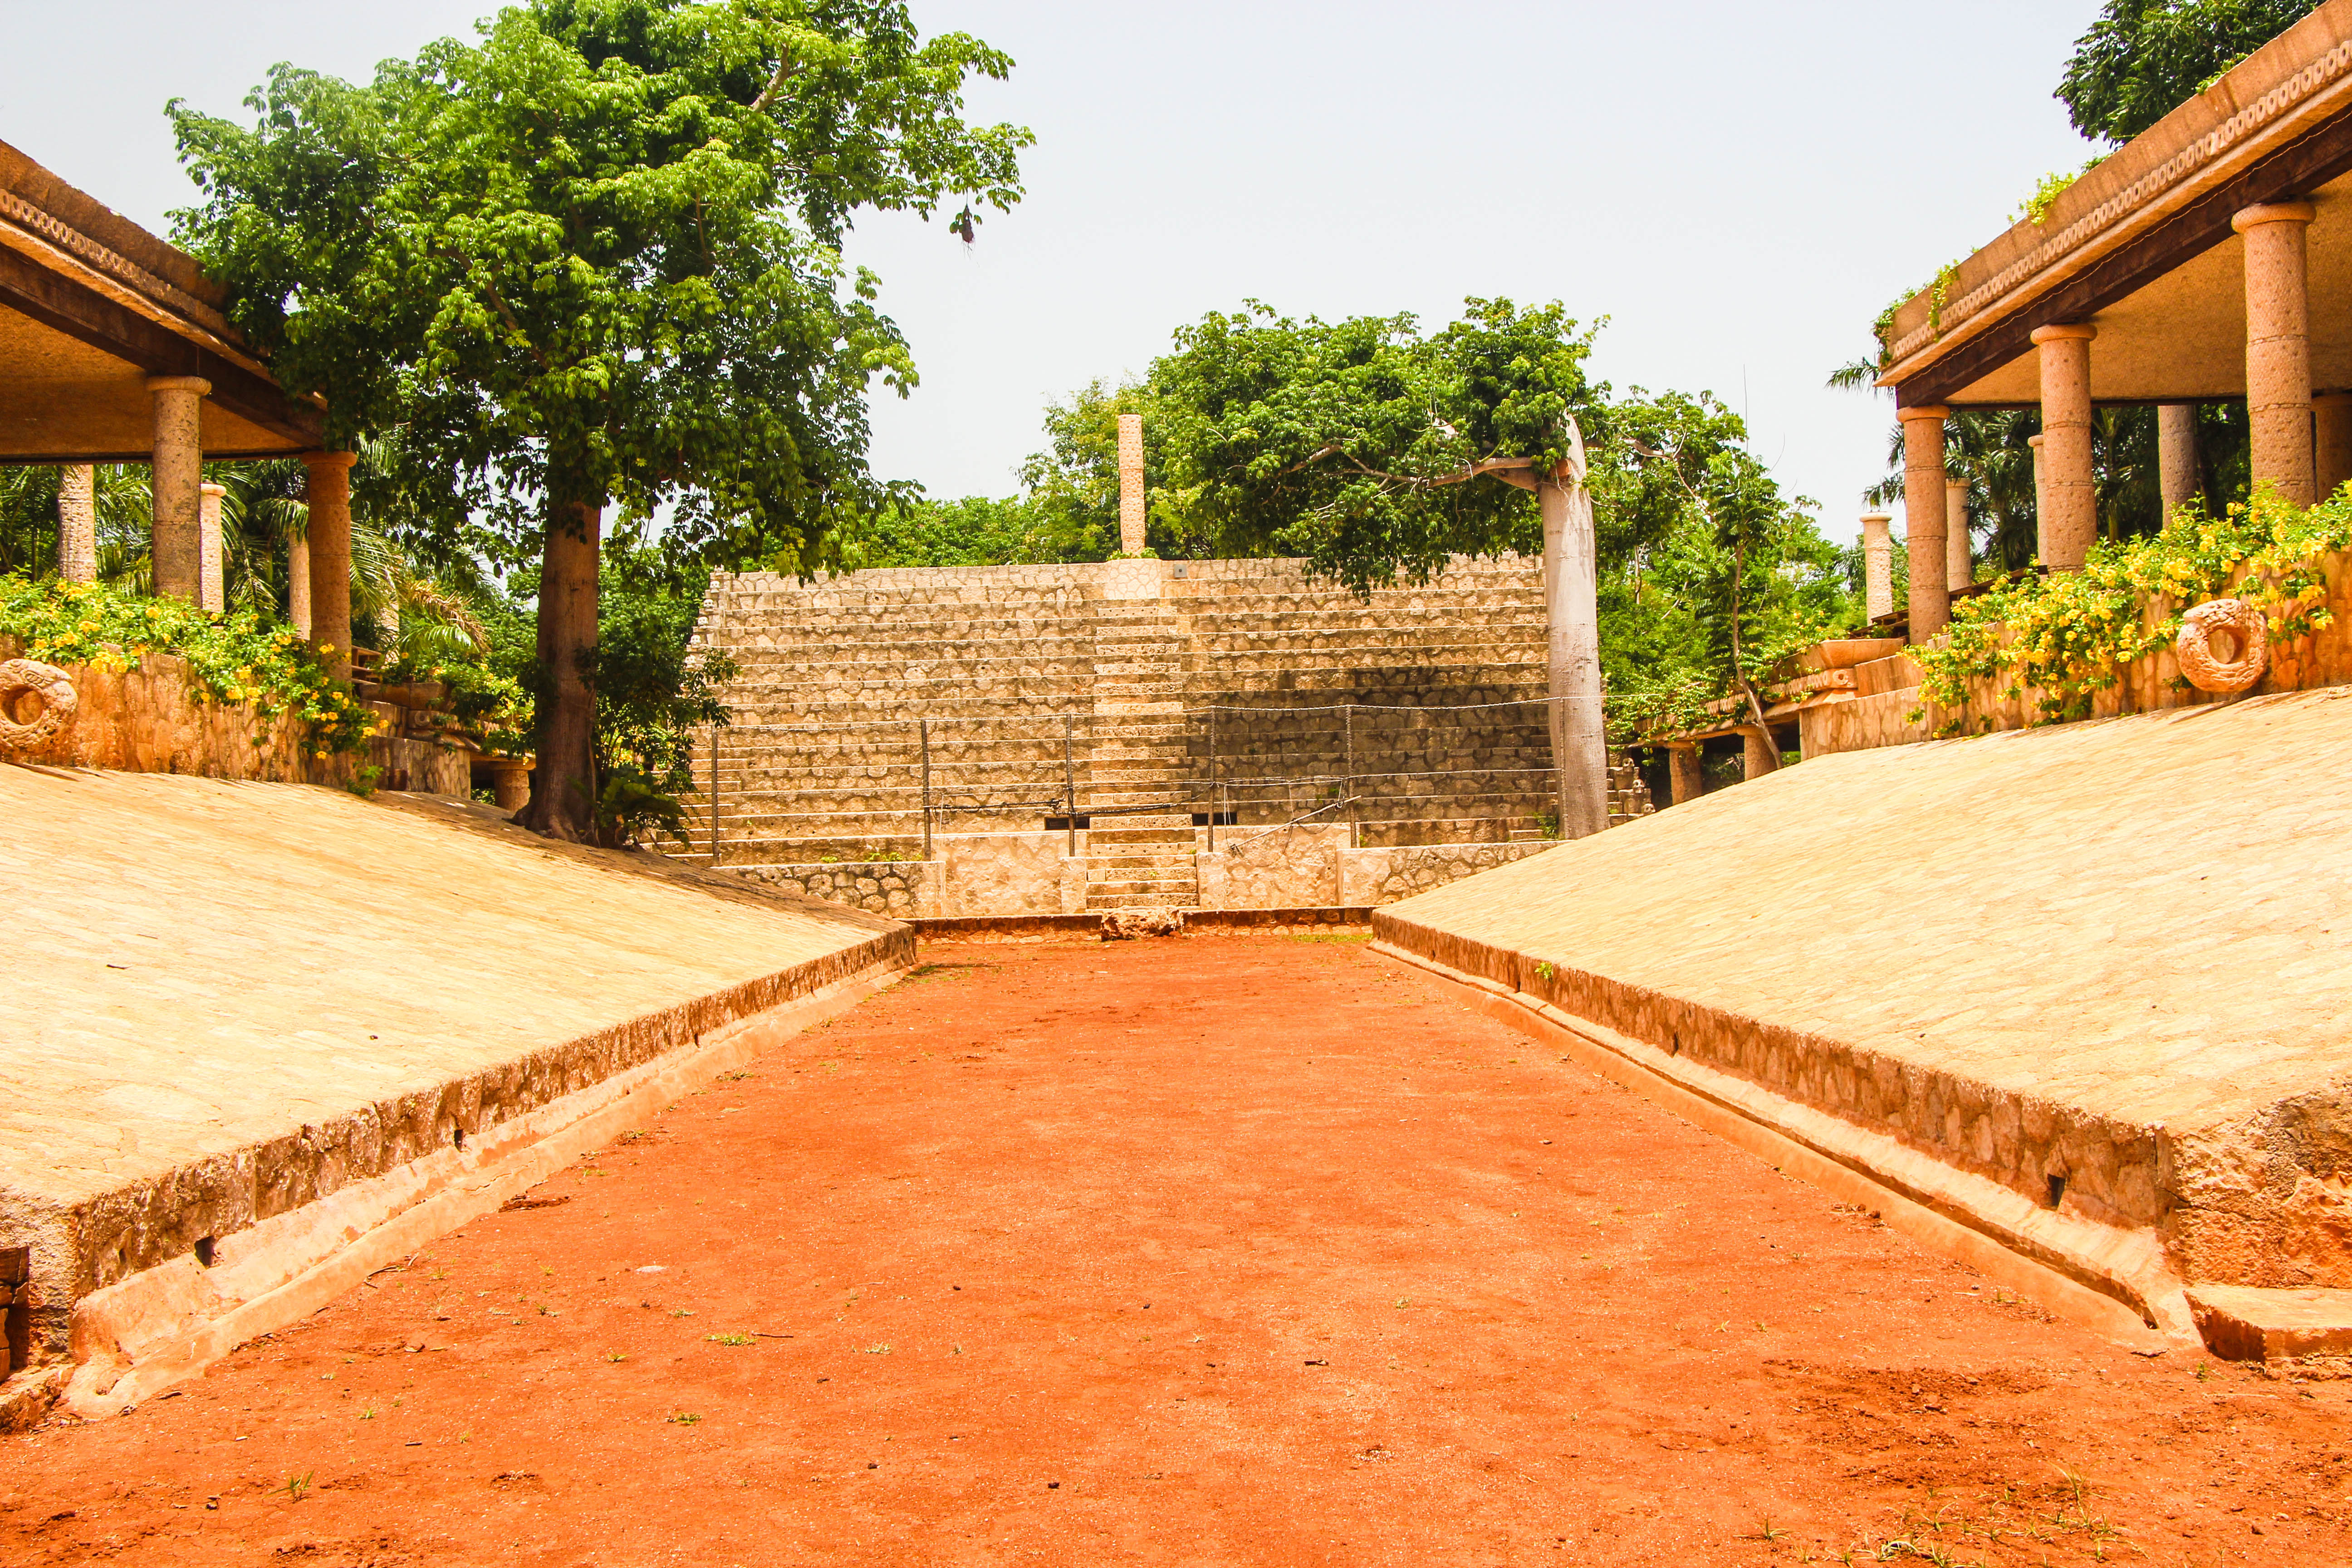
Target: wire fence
{"x": 887, "y": 787}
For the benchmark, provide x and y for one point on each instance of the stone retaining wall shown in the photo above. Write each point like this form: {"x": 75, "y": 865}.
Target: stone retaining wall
{"x": 155, "y": 719}
{"x": 1889, "y": 709}
{"x": 972, "y": 874}
{"x": 824, "y": 756}
{"x": 1308, "y": 866}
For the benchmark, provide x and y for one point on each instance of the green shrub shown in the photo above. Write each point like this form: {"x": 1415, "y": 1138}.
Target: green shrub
{"x": 232, "y": 658}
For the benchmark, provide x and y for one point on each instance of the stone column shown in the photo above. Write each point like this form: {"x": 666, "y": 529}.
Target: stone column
{"x": 1687, "y": 778}
{"x": 2070, "y": 497}
{"x": 2331, "y": 431}
{"x": 2177, "y": 480}
{"x": 1959, "y": 566}
{"x": 2041, "y": 497}
{"x": 298, "y": 584}
{"x": 1758, "y": 752}
{"x": 1923, "y": 505}
{"x": 179, "y": 471}
{"x": 331, "y": 555}
{"x": 510, "y": 783}
{"x": 2278, "y": 346}
{"x": 1877, "y": 565}
{"x": 78, "y": 524}
{"x": 1131, "y": 484}
{"x": 212, "y": 585}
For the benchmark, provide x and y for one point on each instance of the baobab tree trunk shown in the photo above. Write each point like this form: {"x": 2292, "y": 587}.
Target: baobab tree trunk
{"x": 1572, "y": 618}
{"x": 563, "y": 784}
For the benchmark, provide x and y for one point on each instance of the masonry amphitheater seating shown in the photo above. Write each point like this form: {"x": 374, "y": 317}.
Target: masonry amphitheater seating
{"x": 1040, "y": 687}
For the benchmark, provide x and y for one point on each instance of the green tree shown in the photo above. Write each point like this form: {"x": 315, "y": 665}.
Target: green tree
{"x": 1716, "y": 578}
{"x": 593, "y": 259}
{"x": 125, "y": 505}
{"x": 974, "y": 531}
{"x": 2144, "y": 59}
{"x": 1346, "y": 442}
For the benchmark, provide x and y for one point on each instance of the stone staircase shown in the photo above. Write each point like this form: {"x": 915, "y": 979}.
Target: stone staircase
{"x": 1142, "y": 758}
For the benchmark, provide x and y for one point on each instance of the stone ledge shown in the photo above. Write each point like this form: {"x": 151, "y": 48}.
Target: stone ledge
{"x": 2105, "y": 1276}
{"x": 133, "y": 1338}
{"x": 2241, "y": 1323}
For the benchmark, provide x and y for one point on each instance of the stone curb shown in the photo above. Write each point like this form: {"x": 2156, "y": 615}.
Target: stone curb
{"x": 138, "y": 1338}
{"x": 2103, "y": 1279}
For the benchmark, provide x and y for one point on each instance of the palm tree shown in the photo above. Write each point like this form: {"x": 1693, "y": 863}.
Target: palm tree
{"x": 406, "y": 612}
{"x": 28, "y": 523}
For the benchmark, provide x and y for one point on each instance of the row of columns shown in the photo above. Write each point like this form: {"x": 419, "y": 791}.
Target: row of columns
{"x": 1760, "y": 753}
{"x": 2302, "y": 447}
{"x": 186, "y": 552}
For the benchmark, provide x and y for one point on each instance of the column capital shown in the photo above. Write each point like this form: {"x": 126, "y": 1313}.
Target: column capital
{"x": 2035, "y": 441}
{"x": 195, "y": 383}
{"x": 1923, "y": 411}
{"x": 2064, "y": 331}
{"x": 329, "y": 459}
{"x": 1870, "y": 517}
{"x": 2274, "y": 212}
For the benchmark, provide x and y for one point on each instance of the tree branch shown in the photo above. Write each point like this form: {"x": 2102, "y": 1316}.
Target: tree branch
{"x": 785, "y": 71}
{"x": 1508, "y": 470}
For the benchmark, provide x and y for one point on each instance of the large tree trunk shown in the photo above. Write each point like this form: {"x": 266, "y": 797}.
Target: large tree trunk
{"x": 563, "y": 784}
{"x": 1572, "y": 613}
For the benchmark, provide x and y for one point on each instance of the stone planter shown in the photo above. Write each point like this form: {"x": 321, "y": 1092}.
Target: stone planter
{"x": 421, "y": 694}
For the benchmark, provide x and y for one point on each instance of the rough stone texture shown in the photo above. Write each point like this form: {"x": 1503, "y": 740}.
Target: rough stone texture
{"x": 2100, "y": 952}
{"x": 2068, "y": 515}
{"x": 1287, "y": 868}
{"x": 78, "y": 524}
{"x": 2278, "y": 345}
{"x": 974, "y": 874}
{"x": 152, "y": 719}
{"x": 1011, "y": 874}
{"x": 902, "y": 889}
{"x": 1386, "y": 876}
{"x": 229, "y": 999}
{"x": 1126, "y": 658}
{"x": 1311, "y": 867}
{"x": 2205, "y": 670}
{"x": 1125, "y": 925}
{"x": 45, "y": 688}
{"x": 2273, "y": 1325}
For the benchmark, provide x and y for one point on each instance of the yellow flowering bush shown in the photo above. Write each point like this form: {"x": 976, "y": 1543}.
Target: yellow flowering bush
{"x": 2069, "y": 635}
{"x": 233, "y": 659}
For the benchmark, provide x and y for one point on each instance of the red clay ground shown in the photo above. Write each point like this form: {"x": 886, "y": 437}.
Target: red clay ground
{"x": 1224, "y": 1251}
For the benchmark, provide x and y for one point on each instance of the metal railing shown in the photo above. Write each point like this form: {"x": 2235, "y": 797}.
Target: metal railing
{"x": 1387, "y": 766}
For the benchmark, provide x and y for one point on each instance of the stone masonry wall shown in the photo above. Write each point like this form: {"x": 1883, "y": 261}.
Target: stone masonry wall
{"x": 825, "y": 751}
{"x": 973, "y": 874}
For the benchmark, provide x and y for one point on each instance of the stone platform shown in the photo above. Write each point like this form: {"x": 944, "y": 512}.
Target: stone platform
{"x": 247, "y": 1025}
{"x": 2083, "y": 990}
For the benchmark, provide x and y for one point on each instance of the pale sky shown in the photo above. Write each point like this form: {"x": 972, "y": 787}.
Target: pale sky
{"x": 1738, "y": 187}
